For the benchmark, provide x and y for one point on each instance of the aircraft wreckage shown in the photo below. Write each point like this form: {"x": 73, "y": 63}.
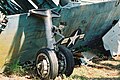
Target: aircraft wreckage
{"x": 47, "y": 32}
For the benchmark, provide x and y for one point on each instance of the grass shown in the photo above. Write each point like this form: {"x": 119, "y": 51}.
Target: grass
{"x": 102, "y": 70}
{"x": 98, "y": 70}
{"x": 14, "y": 68}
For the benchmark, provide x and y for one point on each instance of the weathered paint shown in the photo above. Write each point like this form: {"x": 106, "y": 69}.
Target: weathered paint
{"x": 111, "y": 40}
{"x": 11, "y": 40}
{"x": 94, "y": 19}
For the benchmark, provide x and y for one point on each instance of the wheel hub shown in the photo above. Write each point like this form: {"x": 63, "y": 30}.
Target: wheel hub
{"x": 62, "y": 63}
{"x": 43, "y": 65}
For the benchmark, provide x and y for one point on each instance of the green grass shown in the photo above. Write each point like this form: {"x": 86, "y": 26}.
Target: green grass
{"x": 14, "y": 68}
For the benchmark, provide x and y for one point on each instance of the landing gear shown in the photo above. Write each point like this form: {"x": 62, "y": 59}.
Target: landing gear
{"x": 53, "y": 60}
{"x": 46, "y": 64}
{"x": 50, "y": 64}
{"x": 66, "y": 61}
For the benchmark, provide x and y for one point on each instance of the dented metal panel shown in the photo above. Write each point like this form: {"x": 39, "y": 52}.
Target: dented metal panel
{"x": 111, "y": 40}
{"x": 94, "y": 19}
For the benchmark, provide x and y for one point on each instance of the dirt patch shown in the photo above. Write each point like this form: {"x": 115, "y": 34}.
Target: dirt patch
{"x": 13, "y": 77}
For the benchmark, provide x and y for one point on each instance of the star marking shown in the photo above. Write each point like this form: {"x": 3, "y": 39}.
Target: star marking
{"x": 72, "y": 39}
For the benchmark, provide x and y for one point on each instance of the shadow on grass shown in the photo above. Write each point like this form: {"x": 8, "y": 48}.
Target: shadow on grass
{"x": 77, "y": 77}
{"x": 100, "y": 67}
{"x": 107, "y": 65}
{"x": 117, "y": 67}
{"x": 116, "y": 60}
{"x": 105, "y": 78}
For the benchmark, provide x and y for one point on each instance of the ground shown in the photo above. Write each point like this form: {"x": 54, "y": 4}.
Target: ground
{"x": 99, "y": 69}
{"x": 103, "y": 70}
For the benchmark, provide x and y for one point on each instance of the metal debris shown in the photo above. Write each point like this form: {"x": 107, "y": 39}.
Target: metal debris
{"x": 111, "y": 40}
{"x": 87, "y": 56}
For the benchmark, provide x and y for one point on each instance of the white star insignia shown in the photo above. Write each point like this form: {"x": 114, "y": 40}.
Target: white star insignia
{"x": 72, "y": 39}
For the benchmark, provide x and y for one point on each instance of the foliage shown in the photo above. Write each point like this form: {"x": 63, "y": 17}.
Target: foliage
{"x": 14, "y": 68}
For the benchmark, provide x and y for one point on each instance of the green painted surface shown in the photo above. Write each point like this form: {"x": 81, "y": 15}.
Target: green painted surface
{"x": 26, "y": 36}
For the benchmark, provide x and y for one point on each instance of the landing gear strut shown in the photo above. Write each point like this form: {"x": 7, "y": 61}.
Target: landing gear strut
{"x": 56, "y": 59}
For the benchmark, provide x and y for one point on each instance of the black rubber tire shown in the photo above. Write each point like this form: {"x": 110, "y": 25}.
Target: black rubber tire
{"x": 69, "y": 60}
{"x": 53, "y": 63}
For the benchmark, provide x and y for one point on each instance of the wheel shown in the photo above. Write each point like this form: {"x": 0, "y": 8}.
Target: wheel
{"x": 66, "y": 60}
{"x": 46, "y": 64}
